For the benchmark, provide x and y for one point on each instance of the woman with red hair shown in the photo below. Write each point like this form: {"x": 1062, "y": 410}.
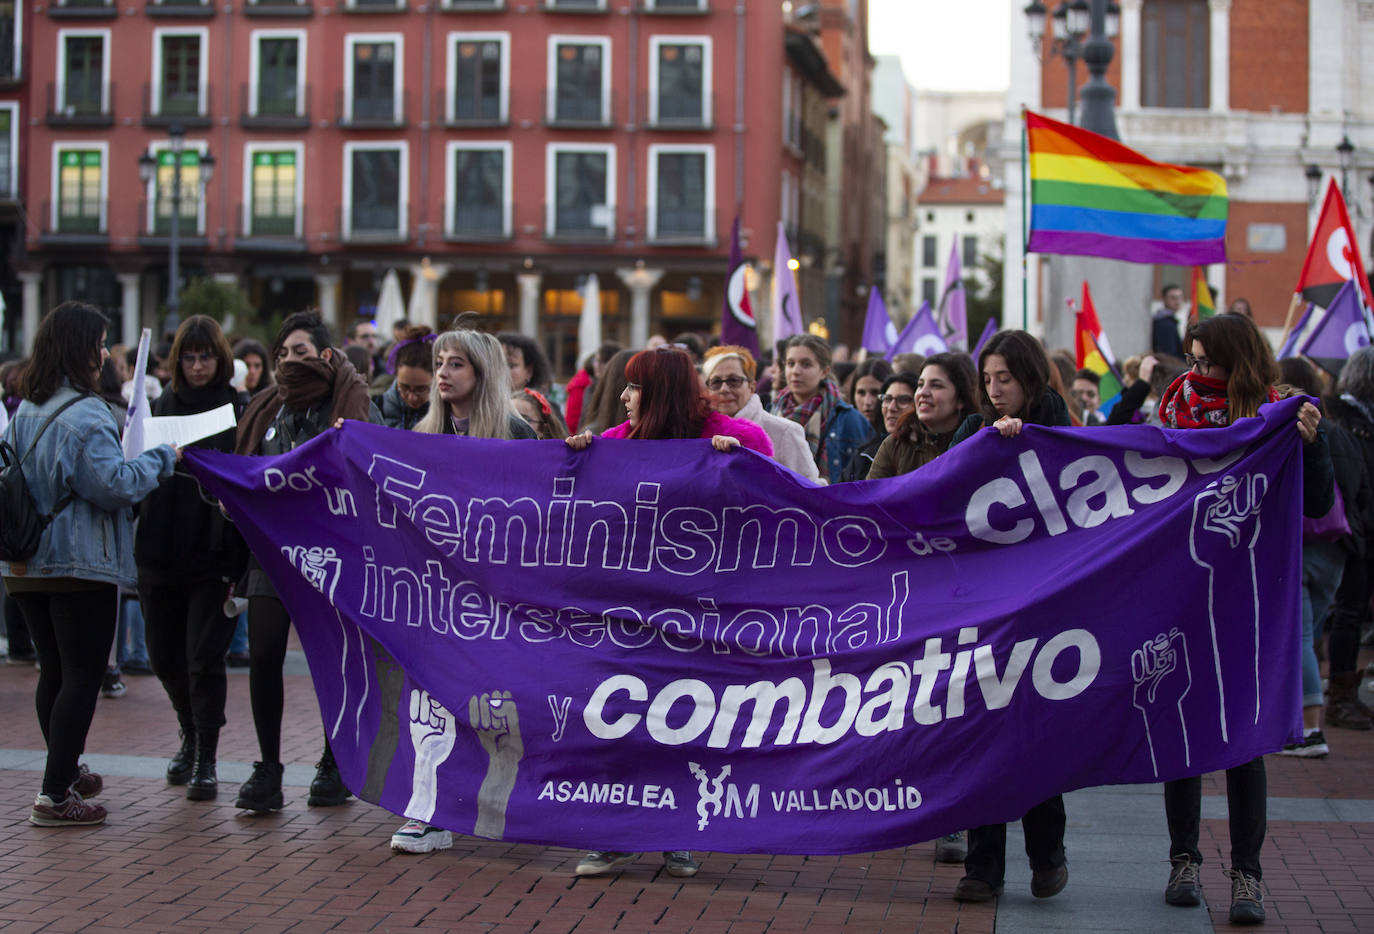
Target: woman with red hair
{"x": 665, "y": 399}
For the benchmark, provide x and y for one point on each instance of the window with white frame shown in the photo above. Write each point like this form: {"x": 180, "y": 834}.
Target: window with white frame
{"x": 674, "y": 6}
{"x": 373, "y": 81}
{"x": 79, "y": 187}
{"x": 789, "y": 185}
{"x": 474, "y": 4}
{"x": 375, "y": 187}
{"x": 278, "y": 73}
{"x": 273, "y": 189}
{"x": 9, "y": 145}
{"x": 179, "y": 72}
{"x": 578, "y": 5}
{"x": 580, "y": 188}
{"x": 376, "y": 4}
{"x": 579, "y": 79}
{"x": 1175, "y": 54}
{"x": 478, "y": 186}
{"x": 83, "y": 72}
{"x": 680, "y": 80}
{"x": 681, "y": 197}
{"x": 162, "y": 189}
{"x": 478, "y": 77}
{"x": 11, "y": 37}
{"x": 928, "y": 258}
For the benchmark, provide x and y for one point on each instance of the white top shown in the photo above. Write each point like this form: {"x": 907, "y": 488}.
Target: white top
{"x": 789, "y": 438}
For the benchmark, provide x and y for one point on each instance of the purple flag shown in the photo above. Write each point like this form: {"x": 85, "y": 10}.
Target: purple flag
{"x": 879, "y": 331}
{"x": 737, "y": 324}
{"x": 651, "y": 645}
{"x": 787, "y": 316}
{"x": 921, "y": 335}
{"x": 1290, "y": 345}
{"x": 954, "y": 303}
{"x": 989, "y": 329}
{"x": 1342, "y": 330}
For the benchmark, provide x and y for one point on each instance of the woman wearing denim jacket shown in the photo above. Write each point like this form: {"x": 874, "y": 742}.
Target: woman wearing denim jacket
{"x": 834, "y": 428}
{"x": 68, "y": 590}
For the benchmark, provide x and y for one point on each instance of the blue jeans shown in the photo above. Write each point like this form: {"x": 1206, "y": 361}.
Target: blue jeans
{"x": 131, "y": 648}
{"x": 240, "y": 644}
{"x": 1322, "y": 566}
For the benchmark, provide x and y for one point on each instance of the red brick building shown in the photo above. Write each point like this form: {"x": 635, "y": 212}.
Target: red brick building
{"x": 504, "y": 149}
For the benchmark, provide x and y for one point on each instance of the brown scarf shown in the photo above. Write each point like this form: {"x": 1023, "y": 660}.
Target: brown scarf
{"x": 301, "y": 385}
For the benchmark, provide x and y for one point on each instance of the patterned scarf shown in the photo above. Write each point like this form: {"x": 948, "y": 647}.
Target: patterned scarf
{"x": 1197, "y": 401}
{"x": 813, "y": 415}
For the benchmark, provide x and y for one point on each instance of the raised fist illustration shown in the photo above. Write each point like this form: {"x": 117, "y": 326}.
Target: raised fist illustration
{"x": 496, "y": 721}
{"x": 432, "y": 733}
{"x": 1162, "y": 679}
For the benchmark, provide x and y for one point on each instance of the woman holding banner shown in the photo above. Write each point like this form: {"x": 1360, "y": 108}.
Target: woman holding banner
{"x": 834, "y": 428}
{"x": 922, "y": 429}
{"x": 1016, "y": 391}
{"x": 187, "y": 554}
{"x": 1231, "y": 372}
{"x": 729, "y": 373}
{"x": 76, "y": 474}
{"x": 665, "y": 400}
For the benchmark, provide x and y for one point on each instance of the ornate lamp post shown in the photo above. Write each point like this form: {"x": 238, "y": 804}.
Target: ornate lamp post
{"x": 1081, "y": 30}
{"x": 147, "y": 170}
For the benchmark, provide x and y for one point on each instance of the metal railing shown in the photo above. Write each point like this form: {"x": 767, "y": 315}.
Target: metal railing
{"x": 465, "y": 221}
{"x": 284, "y": 114}
{"x": 571, "y": 111}
{"x": 84, "y": 104}
{"x": 680, "y": 111}
{"x": 182, "y": 108}
{"x": 274, "y": 233}
{"x": 579, "y": 224}
{"x": 359, "y": 227}
{"x": 367, "y": 113}
{"x": 85, "y": 226}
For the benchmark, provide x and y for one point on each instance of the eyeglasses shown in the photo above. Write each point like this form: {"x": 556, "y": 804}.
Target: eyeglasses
{"x": 902, "y": 401}
{"x": 405, "y": 390}
{"x": 191, "y": 359}
{"x": 717, "y": 383}
{"x": 1200, "y": 364}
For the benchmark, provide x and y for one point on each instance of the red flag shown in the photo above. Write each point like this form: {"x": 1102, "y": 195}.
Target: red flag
{"x": 1086, "y": 323}
{"x": 1333, "y": 256}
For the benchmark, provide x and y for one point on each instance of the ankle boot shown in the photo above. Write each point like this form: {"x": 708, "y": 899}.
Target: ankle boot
{"x": 204, "y": 785}
{"x": 328, "y": 789}
{"x": 1342, "y": 709}
{"x": 179, "y": 768}
{"x": 262, "y": 792}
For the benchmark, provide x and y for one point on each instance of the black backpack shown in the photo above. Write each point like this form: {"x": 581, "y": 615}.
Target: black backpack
{"x": 21, "y": 525}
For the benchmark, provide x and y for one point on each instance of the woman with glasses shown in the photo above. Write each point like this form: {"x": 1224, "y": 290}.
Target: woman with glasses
{"x": 866, "y": 386}
{"x": 1231, "y": 373}
{"x": 410, "y": 360}
{"x": 834, "y": 428}
{"x": 187, "y": 555}
{"x": 922, "y": 414}
{"x": 729, "y": 372}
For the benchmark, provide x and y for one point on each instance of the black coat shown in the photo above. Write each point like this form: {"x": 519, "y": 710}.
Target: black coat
{"x": 1352, "y": 456}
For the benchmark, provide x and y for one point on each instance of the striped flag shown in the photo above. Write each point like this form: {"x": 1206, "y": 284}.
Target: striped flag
{"x": 1203, "y": 304}
{"x": 1095, "y": 354}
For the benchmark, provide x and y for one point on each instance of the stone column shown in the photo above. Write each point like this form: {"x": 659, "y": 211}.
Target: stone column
{"x": 132, "y": 317}
{"x": 529, "y": 283}
{"x": 641, "y": 282}
{"x": 1131, "y": 38}
{"x": 1220, "y": 55}
{"x": 327, "y": 295}
{"x": 33, "y": 310}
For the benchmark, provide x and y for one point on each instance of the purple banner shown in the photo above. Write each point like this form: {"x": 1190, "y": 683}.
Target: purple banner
{"x": 656, "y": 646}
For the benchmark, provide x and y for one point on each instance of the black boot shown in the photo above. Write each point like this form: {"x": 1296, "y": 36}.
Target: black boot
{"x": 204, "y": 785}
{"x": 328, "y": 788}
{"x": 179, "y": 769}
{"x": 262, "y": 792}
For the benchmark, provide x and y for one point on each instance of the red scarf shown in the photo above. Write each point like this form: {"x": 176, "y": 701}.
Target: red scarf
{"x": 1197, "y": 401}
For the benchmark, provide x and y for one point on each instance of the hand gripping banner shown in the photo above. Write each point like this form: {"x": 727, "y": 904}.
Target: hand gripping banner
{"x": 656, "y": 646}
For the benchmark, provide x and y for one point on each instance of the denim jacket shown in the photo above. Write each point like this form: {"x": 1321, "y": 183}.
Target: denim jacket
{"x": 848, "y": 429}
{"x": 93, "y": 537}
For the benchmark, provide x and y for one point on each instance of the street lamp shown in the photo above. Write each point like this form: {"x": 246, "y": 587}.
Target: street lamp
{"x": 1345, "y": 152}
{"x": 1070, "y": 25}
{"x": 148, "y": 171}
{"x": 1314, "y": 184}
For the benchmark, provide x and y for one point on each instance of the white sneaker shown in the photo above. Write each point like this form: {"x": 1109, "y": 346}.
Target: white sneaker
{"x": 418, "y": 837}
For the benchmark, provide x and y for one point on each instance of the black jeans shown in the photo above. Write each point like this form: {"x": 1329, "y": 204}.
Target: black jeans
{"x": 1043, "y": 826}
{"x": 1349, "y": 610}
{"x": 1247, "y": 790}
{"x": 16, "y": 630}
{"x": 268, "y": 628}
{"x": 187, "y": 635}
{"x": 72, "y": 632}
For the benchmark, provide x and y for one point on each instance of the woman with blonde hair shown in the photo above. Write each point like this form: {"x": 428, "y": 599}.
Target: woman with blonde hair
{"x": 730, "y": 373}
{"x": 471, "y": 390}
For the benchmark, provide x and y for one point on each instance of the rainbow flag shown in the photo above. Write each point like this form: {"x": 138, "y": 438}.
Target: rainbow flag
{"x": 1094, "y": 353}
{"x": 1201, "y": 295}
{"x": 1092, "y": 196}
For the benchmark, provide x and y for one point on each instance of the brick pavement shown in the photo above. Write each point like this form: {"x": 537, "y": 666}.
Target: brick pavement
{"x": 163, "y": 863}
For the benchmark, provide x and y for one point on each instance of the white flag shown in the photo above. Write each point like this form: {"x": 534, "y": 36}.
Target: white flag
{"x": 138, "y": 401}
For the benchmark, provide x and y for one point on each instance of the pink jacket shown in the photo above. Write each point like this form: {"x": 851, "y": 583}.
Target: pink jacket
{"x": 749, "y": 435}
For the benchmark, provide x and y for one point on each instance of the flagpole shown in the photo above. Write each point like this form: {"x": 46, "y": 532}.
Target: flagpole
{"x": 1025, "y": 231}
{"x": 1288, "y": 319}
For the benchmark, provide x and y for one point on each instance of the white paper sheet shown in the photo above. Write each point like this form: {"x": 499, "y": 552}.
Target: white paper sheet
{"x": 181, "y": 430}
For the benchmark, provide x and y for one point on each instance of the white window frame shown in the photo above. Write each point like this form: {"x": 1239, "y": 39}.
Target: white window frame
{"x": 551, "y": 81}
{"x": 62, "y": 36}
{"x": 451, "y": 79}
{"x": 150, "y": 187}
{"x": 354, "y": 5}
{"x": 196, "y": 3}
{"x": 252, "y": 149}
{"x": 202, "y": 88}
{"x": 255, "y": 65}
{"x": 60, "y": 146}
{"x": 652, "y": 5}
{"x": 556, "y": 8}
{"x": 452, "y": 148}
{"x": 468, "y": 6}
{"x": 403, "y": 214}
{"x": 354, "y": 39}
{"x": 13, "y": 108}
{"x": 707, "y": 59}
{"x": 551, "y": 153}
{"x": 708, "y": 207}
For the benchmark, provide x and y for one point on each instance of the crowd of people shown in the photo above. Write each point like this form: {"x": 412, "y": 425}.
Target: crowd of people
{"x": 203, "y": 602}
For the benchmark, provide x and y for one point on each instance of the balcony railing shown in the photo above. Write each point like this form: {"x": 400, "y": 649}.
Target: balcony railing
{"x": 72, "y": 230}
{"x": 177, "y": 108}
{"x": 273, "y": 114}
{"x": 370, "y": 113}
{"x": 569, "y": 111}
{"x": 575, "y": 6}
{"x": 158, "y": 235}
{"x": 278, "y": 8}
{"x": 583, "y": 224}
{"x": 360, "y": 228}
{"x": 680, "y": 112}
{"x": 468, "y": 113}
{"x": 465, "y": 6}
{"x": 179, "y": 9}
{"x": 271, "y": 234}
{"x": 83, "y": 9}
{"x": 688, "y": 227}
{"x": 675, "y": 7}
{"x": 89, "y": 105}
{"x": 466, "y": 222}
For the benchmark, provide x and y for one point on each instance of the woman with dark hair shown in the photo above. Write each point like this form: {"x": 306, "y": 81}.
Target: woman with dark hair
{"x": 604, "y": 407}
{"x": 664, "y": 399}
{"x": 586, "y": 378}
{"x": 259, "y": 363}
{"x": 187, "y": 555}
{"x": 896, "y": 397}
{"x": 834, "y": 428}
{"x": 863, "y": 388}
{"x": 528, "y": 365}
{"x": 411, "y": 361}
{"x": 1231, "y": 374}
{"x": 539, "y": 414}
{"x": 1016, "y": 391}
{"x": 68, "y": 589}
{"x": 923, "y": 429}
{"x": 111, "y": 390}
{"x": 729, "y": 375}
